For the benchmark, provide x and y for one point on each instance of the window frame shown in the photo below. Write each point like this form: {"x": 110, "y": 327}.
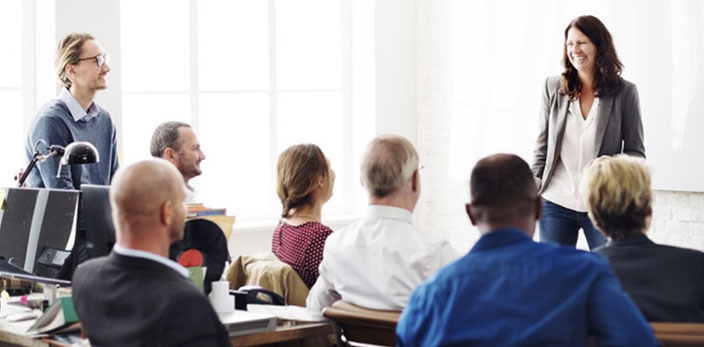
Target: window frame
{"x": 347, "y": 160}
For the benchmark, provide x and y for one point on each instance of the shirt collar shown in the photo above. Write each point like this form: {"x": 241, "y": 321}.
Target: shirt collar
{"x": 635, "y": 239}
{"x": 77, "y": 112}
{"x": 391, "y": 212}
{"x": 190, "y": 194}
{"x": 501, "y": 237}
{"x": 129, "y": 252}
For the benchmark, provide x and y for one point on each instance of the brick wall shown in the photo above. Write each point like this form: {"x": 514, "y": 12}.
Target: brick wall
{"x": 678, "y": 216}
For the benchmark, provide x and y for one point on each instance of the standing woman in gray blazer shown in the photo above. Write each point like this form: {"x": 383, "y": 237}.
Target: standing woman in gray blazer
{"x": 588, "y": 111}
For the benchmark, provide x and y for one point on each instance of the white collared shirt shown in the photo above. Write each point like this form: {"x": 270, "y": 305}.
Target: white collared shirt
{"x": 129, "y": 252}
{"x": 77, "y": 111}
{"x": 578, "y": 150}
{"x": 377, "y": 262}
{"x": 190, "y": 194}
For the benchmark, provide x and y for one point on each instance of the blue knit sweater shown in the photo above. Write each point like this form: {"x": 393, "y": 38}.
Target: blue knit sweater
{"x": 55, "y": 126}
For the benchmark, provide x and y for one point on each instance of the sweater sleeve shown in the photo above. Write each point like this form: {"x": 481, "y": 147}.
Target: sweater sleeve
{"x": 52, "y": 131}
{"x": 115, "y": 160}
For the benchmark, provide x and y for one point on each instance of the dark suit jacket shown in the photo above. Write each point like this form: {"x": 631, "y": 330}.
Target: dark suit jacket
{"x": 129, "y": 301}
{"x": 667, "y": 283}
{"x": 619, "y": 128}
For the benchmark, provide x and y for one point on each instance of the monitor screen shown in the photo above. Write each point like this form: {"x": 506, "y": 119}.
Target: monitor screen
{"x": 100, "y": 229}
{"x": 35, "y": 228}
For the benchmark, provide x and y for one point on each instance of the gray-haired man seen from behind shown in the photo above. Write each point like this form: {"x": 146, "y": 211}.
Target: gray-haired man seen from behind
{"x": 377, "y": 261}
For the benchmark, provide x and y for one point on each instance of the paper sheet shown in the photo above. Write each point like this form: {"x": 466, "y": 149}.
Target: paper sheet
{"x": 290, "y": 312}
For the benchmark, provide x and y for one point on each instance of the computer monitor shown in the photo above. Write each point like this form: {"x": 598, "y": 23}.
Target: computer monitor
{"x": 96, "y": 210}
{"x": 36, "y": 224}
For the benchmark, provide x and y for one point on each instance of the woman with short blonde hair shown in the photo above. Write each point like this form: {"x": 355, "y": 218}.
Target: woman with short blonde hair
{"x": 618, "y": 196}
{"x": 665, "y": 282}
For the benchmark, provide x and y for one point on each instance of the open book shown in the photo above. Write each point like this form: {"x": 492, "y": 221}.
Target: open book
{"x": 61, "y": 313}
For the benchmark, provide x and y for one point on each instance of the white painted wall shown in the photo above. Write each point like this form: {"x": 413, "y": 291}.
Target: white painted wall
{"x": 678, "y": 216}
{"x": 102, "y": 20}
{"x": 409, "y": 90}
{"x": 395, "y": 67}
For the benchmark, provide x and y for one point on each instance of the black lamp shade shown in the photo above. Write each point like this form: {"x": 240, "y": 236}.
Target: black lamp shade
{"x": 78, "y": 153}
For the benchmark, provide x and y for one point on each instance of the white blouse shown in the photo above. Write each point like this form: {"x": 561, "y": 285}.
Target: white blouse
{"x": 578, "y": 150}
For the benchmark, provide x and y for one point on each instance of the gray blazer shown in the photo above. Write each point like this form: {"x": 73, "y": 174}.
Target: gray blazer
{"x": 619, "y": 127}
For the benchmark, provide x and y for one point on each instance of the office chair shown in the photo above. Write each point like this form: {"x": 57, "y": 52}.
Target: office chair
{"x": 206, "y": 237}
{"x": 267, "y": 271}
{"x": 679, "y": 334}
{"x": 363, "y": 325}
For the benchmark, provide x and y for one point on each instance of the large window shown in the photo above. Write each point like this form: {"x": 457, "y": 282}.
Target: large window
{"x": 252, "y": 77}
{"x": 11, "y": 88}
{"x": 25, "y": 27}
{"x": 503, "y": 51}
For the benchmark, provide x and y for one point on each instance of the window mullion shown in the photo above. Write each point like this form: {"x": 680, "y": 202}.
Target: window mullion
{"x": 193, "y": 41}
{"x": 273, "y": 115}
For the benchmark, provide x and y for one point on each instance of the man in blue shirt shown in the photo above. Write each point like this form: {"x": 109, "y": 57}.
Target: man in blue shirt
{"x": 509, "y": 290}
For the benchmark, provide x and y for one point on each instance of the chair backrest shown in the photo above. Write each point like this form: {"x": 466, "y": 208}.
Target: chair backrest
{"x": 267, "y": 271}
{"x": 679, "y": 334}
{"x": 363, "y": 325}
{"x": 208, "y": 238}
{"x": 100, "y": 228}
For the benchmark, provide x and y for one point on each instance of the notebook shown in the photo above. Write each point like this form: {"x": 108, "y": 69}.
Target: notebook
{"x": 241, "y": 322}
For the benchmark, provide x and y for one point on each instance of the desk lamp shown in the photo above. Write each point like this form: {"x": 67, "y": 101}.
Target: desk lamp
{"x": 76, "y": 153}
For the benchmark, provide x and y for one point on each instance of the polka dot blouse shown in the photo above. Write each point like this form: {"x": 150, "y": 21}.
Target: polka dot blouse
{"x": 301, "y": 247}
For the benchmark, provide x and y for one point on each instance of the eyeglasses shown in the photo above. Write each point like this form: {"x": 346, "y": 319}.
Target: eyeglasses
{"x": 100, "y": 59}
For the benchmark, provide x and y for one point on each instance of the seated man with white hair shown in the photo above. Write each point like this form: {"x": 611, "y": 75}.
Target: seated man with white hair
{"x": 378, "y": 261}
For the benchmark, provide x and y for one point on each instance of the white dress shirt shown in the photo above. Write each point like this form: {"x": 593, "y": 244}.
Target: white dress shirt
{"x": 578, "y": 151}
{"x": 377, "y": 262}
{"x": 190, "y": 194}
{"x": 136, "y": 253}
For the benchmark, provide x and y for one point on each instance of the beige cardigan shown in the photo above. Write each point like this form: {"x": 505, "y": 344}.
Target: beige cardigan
{"x": 267, "y": 271}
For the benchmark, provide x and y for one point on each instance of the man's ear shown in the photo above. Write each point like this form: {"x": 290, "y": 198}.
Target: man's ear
{"x": 468, "y": 208}
{"x": 169, "y": 154}
{"x": 538, "y": 208}
{"x": 415, "y": 181}
{"x": 166, "y": 213}
{"x": 70, "y": 71}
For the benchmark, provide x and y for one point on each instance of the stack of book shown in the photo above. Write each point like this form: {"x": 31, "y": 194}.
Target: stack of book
{"x": 216, "y": 215}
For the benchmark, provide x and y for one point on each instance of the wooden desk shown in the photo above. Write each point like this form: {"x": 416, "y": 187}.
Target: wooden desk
{"x": 286, "y": 331}
{"x": 14, "y": 339}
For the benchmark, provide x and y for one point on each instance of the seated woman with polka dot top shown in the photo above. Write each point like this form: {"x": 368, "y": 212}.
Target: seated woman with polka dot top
{"x": 304, "y": 183}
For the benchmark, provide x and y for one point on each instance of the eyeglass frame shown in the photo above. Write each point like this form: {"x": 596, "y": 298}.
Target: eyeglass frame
{"x": 97, "y": 59}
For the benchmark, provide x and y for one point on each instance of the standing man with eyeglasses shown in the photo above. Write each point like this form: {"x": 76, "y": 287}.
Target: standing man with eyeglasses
{"x": 81, "y": 65}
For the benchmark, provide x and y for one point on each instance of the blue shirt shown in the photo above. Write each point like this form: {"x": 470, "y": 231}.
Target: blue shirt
{"x": 509, "y": 290}
{"x": 76, "y": 110}
{"x": 61, "y": 122}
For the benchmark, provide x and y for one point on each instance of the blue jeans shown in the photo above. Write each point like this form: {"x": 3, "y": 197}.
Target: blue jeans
{"x": 560, "y": 225}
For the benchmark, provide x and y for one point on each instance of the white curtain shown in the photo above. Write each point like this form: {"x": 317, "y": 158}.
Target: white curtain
{"x": 504, "y": 49}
